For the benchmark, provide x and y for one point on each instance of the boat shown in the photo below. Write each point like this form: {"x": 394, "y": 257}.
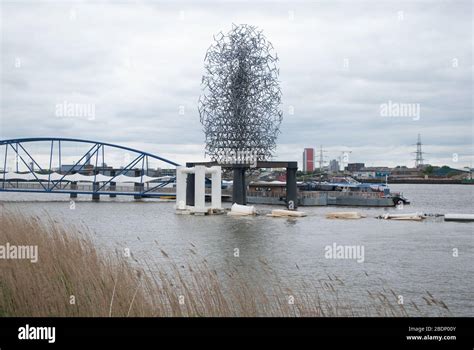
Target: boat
{"x": 338, "y": 191}
{"x": 348, "y": 191}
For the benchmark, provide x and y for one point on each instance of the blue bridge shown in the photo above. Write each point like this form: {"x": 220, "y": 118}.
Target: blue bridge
{"x": 39, "y": 167}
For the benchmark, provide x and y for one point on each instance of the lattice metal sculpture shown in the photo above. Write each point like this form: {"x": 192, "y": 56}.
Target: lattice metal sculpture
{"x": 240, "y": 104}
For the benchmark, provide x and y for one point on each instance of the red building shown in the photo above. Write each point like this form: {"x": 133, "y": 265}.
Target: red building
{"x": 308, "y": 160}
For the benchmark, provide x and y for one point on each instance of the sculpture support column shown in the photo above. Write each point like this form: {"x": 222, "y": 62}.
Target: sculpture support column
{"x": 291, "y": 187}
{"x": 238, "y": 186}
{"x": 244, "y": 187}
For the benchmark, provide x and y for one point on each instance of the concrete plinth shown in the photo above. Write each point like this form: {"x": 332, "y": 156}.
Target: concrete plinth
{"x": 191, "y": 189}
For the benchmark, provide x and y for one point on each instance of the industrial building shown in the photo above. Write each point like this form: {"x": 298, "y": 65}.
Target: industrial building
{"x": 308, "y": 160}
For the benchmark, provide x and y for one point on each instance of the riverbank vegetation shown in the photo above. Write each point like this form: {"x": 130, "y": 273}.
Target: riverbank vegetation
{"x": 73, "y": 278}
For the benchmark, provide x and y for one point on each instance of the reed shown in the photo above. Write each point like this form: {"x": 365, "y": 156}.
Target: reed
{"x": 73, "y": 278}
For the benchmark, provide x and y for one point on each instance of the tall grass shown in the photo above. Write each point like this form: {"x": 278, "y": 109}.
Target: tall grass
{"x": 72, "y": 278}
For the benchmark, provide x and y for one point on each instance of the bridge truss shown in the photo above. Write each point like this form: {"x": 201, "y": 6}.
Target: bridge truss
{"x": 48, "y": 181}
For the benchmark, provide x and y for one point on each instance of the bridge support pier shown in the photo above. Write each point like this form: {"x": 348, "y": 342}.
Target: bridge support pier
{"x": 95, "y": 187}
{"x": 137, "y": 186}
{"x": 73, "y": 188}
{"x": 112, "y": 185}
{"x": 190, "y": 181}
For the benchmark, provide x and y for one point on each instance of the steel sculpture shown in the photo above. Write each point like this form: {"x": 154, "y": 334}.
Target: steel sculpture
{"x": 240, "y": 104}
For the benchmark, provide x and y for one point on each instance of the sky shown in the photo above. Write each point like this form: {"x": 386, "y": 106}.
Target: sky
{"x": 360, "y": 76}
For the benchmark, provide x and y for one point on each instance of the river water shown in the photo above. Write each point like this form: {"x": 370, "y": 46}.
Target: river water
{"x": 408, "y": 257}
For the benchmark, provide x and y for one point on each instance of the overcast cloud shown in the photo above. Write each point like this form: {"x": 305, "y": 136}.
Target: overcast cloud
{"x": 140, "y": 63}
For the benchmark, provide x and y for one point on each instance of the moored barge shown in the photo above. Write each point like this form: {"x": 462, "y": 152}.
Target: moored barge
{"x": 338, "y": 191}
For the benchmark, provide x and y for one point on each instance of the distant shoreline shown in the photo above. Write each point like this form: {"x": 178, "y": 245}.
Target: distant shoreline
{"x": 419, "y": 181}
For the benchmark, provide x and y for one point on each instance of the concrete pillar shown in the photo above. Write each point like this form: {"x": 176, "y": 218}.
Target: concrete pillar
{"x": 238, "y": 186}
{"x": 216, "y": 196}
{"x": 190, "y": 181}
{"x": 181, "y": 190}
{"x": 112, "y": 185}
{"x": 200, "y": 189}
{"x": 73, "y": 188}
{"x": 95, "y": 196}
{"x": 291, "y": 187}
